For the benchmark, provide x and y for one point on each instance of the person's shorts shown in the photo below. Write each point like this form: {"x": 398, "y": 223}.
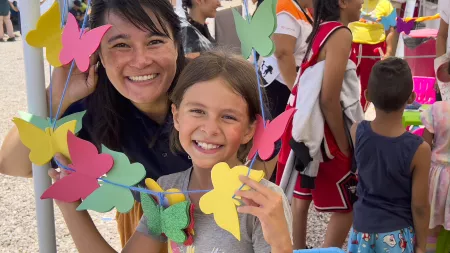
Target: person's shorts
{"x": 400, "y": 241}
{"x": 335, "y": 189}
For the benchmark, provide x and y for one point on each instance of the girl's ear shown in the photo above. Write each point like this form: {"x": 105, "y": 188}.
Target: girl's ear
{"x": 175, "y": 117}
{"x": 366, "y": 95}
{"x": 249, "y": 133}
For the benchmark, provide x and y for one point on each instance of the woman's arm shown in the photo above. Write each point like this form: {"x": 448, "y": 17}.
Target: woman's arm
{"x": 391, "y": 42}
{"x": 284, "y": 52}
{"x": 14, "y": 159}
{"x": 419, "y": 204}
{"x": 337, "y": 50}
{"x": 441, "y": 41}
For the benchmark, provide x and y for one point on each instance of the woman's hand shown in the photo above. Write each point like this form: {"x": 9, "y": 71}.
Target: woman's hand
{"x": 81, "y": 84}
{"x": 267, "y": 205}
{"x": 55, "y": 175}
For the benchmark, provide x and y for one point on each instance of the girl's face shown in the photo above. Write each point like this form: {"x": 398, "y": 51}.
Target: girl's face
{"x": 140, "y": 65}
{"x": 351, "y": 9}
{"x": 213, "y": 122}
{"x": 208, "y": 7}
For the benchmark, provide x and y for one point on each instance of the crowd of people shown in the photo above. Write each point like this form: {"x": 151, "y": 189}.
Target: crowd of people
{"x": 160, "y": 91}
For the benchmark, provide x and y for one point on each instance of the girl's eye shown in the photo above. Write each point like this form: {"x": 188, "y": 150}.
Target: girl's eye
{"x": 229, "y": 117}
{"x": 197, "y": 111}
{"x": 121, "y": 45}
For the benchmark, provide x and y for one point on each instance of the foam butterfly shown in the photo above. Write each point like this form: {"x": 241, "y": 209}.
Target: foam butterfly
{"x": 390, "y": 20}
{"x": 80, "y": 48}
{"x": 44, "y": 144}
{"x": 220, "y": 201}
{"x": 405, "y": 26}
{"x": 48, "y": 34}
{"x": 88, "y": 165}
{"x": 265, "y": 138}
{"x": 45, "y": 123}
{"x": 109, "y": 195}
{"x": 171, "y": 221}
{"x": 256, "y": 33}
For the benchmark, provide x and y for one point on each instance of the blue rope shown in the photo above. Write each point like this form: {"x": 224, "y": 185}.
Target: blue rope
{"x": 160, "y": 195}
{"x": 71, "y": 67}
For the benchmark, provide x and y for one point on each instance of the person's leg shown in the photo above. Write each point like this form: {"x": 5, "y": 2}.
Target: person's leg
{"x": 301, "y": 201}
{"x": 9, "y": 26}
{"x": 1, "y": 27}
{"x": 300, "y": 210}
{"x": 337, "y": 229}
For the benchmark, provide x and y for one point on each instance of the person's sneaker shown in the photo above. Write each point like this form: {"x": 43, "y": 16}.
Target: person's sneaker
{"x": 11, "y": 39}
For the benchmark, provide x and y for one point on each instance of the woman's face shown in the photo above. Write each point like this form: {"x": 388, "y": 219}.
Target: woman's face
{"x": 352, "y": 9}
{"x": 209, "y": 7}
{"x": 139, "y": 64}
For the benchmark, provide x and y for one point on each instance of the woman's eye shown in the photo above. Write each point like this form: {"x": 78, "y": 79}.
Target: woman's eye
{"x": 154, "y": 42}
{"x": 121, "y": 45}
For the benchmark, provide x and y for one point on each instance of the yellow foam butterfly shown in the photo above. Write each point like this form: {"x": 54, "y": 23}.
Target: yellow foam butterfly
{"x": 220, "y": 200}
{"x": 44, "y": 145}
{"x": 48, "y": 34}
{"x": 173, "y": 199}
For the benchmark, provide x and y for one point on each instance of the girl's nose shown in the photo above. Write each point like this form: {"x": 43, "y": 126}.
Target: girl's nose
{"x": 210, "y": 127}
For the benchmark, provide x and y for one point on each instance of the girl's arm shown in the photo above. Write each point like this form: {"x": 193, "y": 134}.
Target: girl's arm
{"x": 441, "y": 41}
{"x": 391, "y": 42}
{"x": 428, "y": 137}
{"x": 84, "y": 233}
{"x": 337, "y": 50}
{"x": 284, "y": 52}
{"x": 419, "y": 205}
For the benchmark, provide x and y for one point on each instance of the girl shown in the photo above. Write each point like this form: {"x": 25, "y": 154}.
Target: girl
{"x": 294, "y": 24}
{"x": 442, "y": 40}
{"x": 196, "y": 36}
{"x": 392, "y": 211}
{"x": 5, "y": 7}
{"x": 215, "y": 104}
{"x": 437, "y": 122}
{"x": 331, "y": 88}
{"x": 368, "y": 36}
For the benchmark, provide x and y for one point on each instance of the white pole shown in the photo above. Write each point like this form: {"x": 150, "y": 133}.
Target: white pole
{"x": 37, "y": 105}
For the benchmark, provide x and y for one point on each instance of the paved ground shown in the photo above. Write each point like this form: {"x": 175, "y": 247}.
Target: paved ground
{"x": 18, "y": 232}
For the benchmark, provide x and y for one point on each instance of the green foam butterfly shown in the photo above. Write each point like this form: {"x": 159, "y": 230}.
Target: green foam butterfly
{"x": 171, "y": 221}
{"x": 45, "y": 123}
{"x": 256, "y": 33}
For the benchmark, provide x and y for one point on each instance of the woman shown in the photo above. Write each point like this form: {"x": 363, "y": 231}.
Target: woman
{"x": 196, "y": 36}
{"x": 125, "y": 95}
{"x": 5, "y": 6}
{"x": 369, "y": 36}
{"x": 294, "y": 24}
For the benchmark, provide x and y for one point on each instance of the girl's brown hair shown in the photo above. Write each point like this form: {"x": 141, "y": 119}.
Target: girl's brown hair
{"x": 233, "y": 69}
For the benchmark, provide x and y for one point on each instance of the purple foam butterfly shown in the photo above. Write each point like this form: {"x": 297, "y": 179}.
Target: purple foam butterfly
{"x": 403, "y": 26}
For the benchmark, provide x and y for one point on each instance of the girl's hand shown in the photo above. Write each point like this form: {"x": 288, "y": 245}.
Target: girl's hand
{"x": 267, "y": 205}
{"x": 81, "y": 84}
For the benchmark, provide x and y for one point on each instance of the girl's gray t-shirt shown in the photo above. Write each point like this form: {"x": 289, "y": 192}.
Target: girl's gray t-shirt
{"x": 211, "y": 238}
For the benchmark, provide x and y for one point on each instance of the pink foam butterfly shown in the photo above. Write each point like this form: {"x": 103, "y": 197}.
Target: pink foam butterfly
{"x": 265, "y": 138}
{"x": 80, "y": 48}
{"x": 88, "y": 165}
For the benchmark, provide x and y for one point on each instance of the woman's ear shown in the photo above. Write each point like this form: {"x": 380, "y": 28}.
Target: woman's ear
{"x": 175, "y": 117}
{"x": 250, "y": 133}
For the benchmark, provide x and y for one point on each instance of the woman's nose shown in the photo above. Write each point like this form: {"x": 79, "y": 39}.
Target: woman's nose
{"x": 141, "y": 59}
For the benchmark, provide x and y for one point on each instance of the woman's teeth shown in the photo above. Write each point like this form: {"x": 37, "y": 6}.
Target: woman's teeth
{"x": 207, "y": 146}
{"x": 142, "y": 78}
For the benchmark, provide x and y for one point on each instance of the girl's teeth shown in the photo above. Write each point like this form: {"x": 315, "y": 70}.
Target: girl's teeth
{"x": 207, "y": 146}
{"x": 143, "y": 78}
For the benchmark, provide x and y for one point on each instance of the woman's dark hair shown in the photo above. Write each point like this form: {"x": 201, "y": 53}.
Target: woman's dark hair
{"x": 105, "y": 105}
{"x": 235, "y": 70}
{"x": 186, "y": 4}
{"x": 324, "y": 10}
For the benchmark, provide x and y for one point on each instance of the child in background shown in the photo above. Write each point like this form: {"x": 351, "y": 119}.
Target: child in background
{"x": 215, "y": 105}
{"x": 442, "y": 41}
{"x": 437, "y": 124}
{"x": 331, "y": 64}
{"x": 392, "y": 210}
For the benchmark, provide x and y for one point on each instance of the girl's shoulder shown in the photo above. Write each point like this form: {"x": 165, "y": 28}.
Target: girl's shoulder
{"x": 176, "y": 180}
